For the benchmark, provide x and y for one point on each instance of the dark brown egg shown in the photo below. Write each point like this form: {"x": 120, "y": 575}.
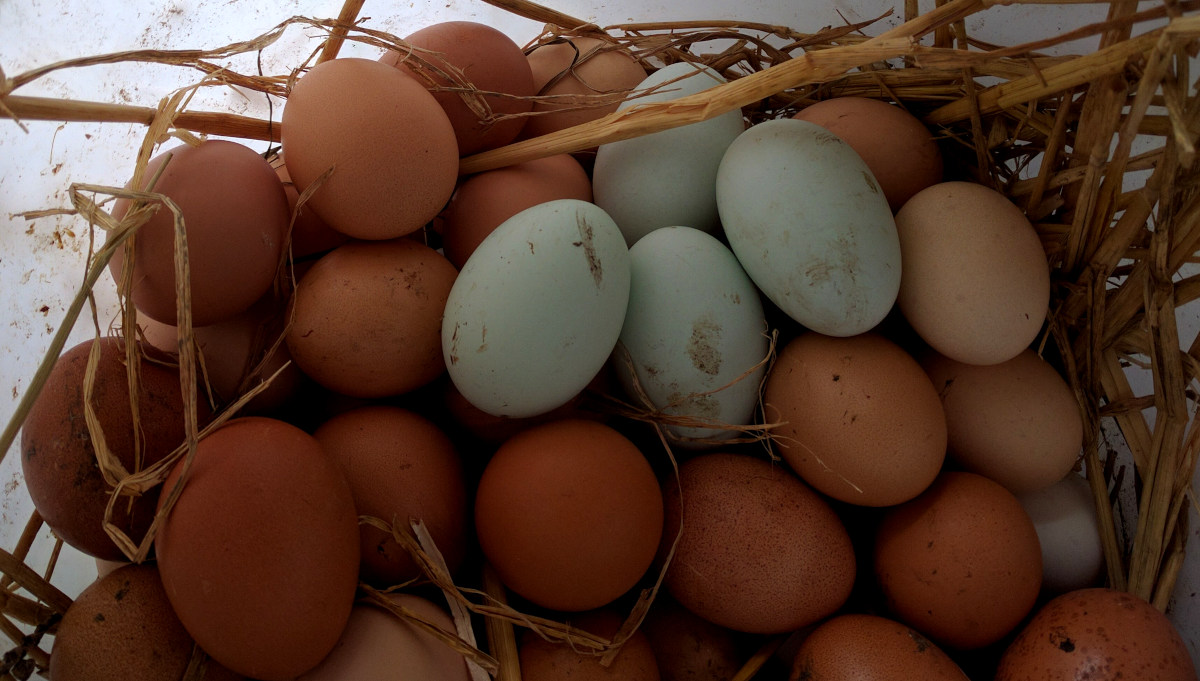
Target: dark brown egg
{"x": 260, "y": 555}
{"x": 59, "y": 463}
{"x": 871, "y": 648}
{"x": 575, "y": 71}
{"x": 236, "y": 215}
{"x": 542, "y": 660}
{"x": 689, "y": 647}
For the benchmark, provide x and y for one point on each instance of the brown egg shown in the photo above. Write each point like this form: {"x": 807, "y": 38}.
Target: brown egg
{"x": 378, "y": 645}
{"x": 961, "y": 563}
{"x": 760, "y": 552}
{"x": 575, "y": 71}
{"x": 1097, "y": 634}
{"x": 861, "y": 422}
{"x": 259, "y": 556}
{"x": 368, "y": 317}
{"x": 487, "y": 59}
{"x": 59, "y": 462}
{"x": 569, "y": 513}
{"x": 400, "y": 466}
{"x": 496, "y": 429}
{"x": 310, "y": 233}
{"x": 485, "y": 200}
{"x": 122, "y": 628}
{"x": 871, "y": 648}
{"x": 1016, "y": 422}
{"x": 896, "y": 146}
{"x": 689, "y": 647}
{"x": 974, "y": 281}
{"x": 391, "y": 145}
{"x": 542, "y": 660}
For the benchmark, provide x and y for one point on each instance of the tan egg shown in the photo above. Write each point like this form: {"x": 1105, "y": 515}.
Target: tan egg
{"x": 858, "y": 647}
{"x": 860, "y": 421}
{"x": 574, "y": 71}
{"x": 687, "y": 646}
{"x": 759, "y": 552}
{"x": 900, "y": 151}
{"x": 487, "y": 59}
{"x": 1016, "y": 422}
{"x": 393, "y": 150}
{"x": 400, "y": 467}
{"x": 368, "y": 317}
{"x": 485, "y": 200}
{"x": 961, "y": 563}
{"x": 310, "y": 233}
{"x": 974, "y": 283}
{"x": 542, "y": 660}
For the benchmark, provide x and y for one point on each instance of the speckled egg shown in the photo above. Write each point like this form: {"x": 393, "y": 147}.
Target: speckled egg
{"x": 859, "y": 647}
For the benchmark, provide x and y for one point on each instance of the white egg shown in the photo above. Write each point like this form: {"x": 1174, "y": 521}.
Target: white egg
{"x": 694, "y": 334}
{"x": 1065, "y": 517}
{"x": 669, "y": 177}
{"x": 537, "y": 309}
{"x": 810, "y": 225}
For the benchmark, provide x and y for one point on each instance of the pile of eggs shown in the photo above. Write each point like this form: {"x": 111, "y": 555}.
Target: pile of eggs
{"x": 440, "y": 356}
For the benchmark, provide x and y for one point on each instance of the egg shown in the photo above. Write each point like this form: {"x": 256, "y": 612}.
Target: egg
{"x": 537, "y": 309}
{"x": 759, "y": 551}
{"x": 976, "y": 284}
{"x": 1069, "y": 531}
{"x": 390, "y": 145}
{"x": 810, "y": 225}
{"x": 669, "y": 177}
{"x": 1016, "y": 422}
{"x": 689, "y": 647}
{"x": 310, "y": 234}
{"x": 366, "y": 319}
{"x": 961, "y": 563}
{"x": 694, "y": 337}
{"x": 485, "y": 58}
{"x": 569, "y": 513}
{"x": 861, "y": 647}
{"x": 1097, "y": 634}
{"x": 400, "y": 467}
{"x": 485, "y": 200}
{"x": 900, "y": 151}
{"x": 58, "y": 459}
{"x": 571, "y": 73}
{"x": 858, "y": 418}
{"x": 260, "y": 554}
{"x": 543, "y": 660}
{"x": 236, "y": 215}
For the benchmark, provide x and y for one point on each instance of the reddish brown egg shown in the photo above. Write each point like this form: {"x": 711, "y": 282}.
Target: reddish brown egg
{"x": 310, "y": 233}
{"x": 485, "y": 200}
{"x": 58, "y": 459}
{"x": 689, "y": 647}
{"x": 575, "y": 71}
{"x": 1099, "y": 634}
{"x": 569, "y": 513}
{"x": 542, "y": 660}
{"x": 236, "y": 215}
{"x": 961, "y": 563}
{"x": 486, "y": 59}
{"x": 871, "y": 648}
{"x": 368, "y": 317}
{"x": 860, "y": 420}
{"x": 759, "y": 552}
{"x": 400, "y": 467}
{"x": 391, "y": 148}
{"x": 260, "y": 554}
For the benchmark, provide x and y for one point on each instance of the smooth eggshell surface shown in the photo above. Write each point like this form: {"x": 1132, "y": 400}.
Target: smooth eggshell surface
{"x": 1069, "y": 531}
{"x": 542, "y": 660}
{"x": 857, "y": 647}
{"x": 585, "y": 77}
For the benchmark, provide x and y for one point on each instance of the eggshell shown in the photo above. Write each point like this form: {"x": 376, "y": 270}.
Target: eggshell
{"x": 236, "y": 216}
{"x": 961, "y": 563}
{"x": 859, "y": 420}
{"x": 694, "y": 334}
{"x": 537, "y": 309}
{"x": 976, "y": 285}
{"x": 57, "y": 457}
{"x": 310, "y": 234}
{"x": 689, "y": 647}
{"x": 572, "y": 73}
{"x": 391, "y": 145}
{"x": 367, "y": 317}
{"x": 1016, "y": 422}
{"x": 810, "y": 225}
{"x": 900, "y": 151}
{"x": 542, "y": 660}
{"x": 122, "y": 628}
{"x": 485, "y": 200}
{"x": 400, "y": 467}
{"x": 1097, "y": 634}
{"x": 569, "y": 513}
{"x": 485, "y": 58}
{"x": 378, "y": 645}
{"x": 759, "y": 551}
{"x": 857, "y": 647}
{"x": 1069, "y": 531}
{"x": 260, "y": 554}
{"x": 667, "y": 178}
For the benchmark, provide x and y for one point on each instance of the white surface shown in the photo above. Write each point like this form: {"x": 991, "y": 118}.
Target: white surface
{"x": 41, "y": 262}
